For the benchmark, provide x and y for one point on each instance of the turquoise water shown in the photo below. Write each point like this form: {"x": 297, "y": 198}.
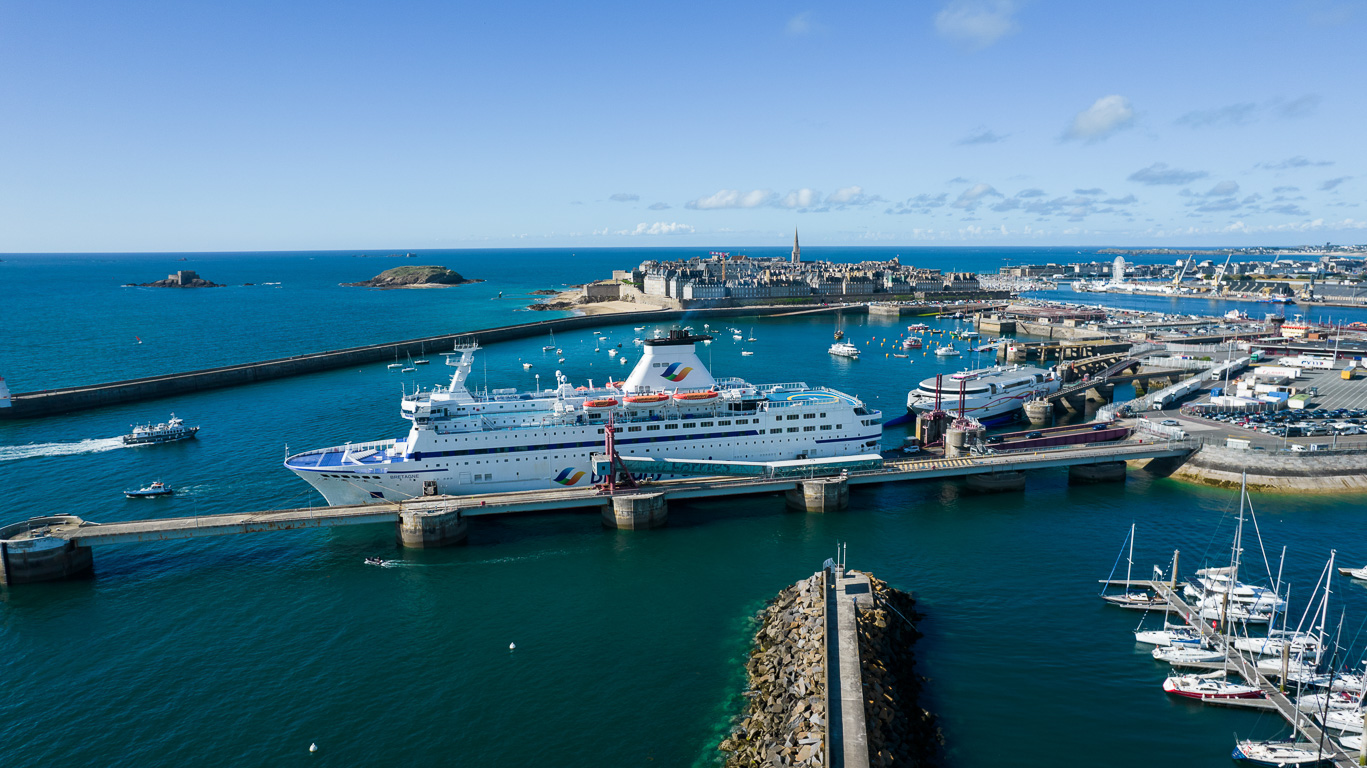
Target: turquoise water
{"x": 244, "y": 650}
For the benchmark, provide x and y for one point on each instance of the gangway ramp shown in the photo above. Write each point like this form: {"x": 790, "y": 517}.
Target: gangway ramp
{"x": 660, "y": 467}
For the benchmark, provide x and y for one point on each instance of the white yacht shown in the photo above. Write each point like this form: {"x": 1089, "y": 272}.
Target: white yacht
{"x": 990, "y": 394}
{"x": 844, "y": 349}
{"x": 505, "y": 440}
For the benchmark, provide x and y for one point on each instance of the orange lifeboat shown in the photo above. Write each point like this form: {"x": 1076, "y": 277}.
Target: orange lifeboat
{"x": 616, "y": 384}
{"x": 602, "y": 402}
{"x": 645, "y": 401}
{"x": 695, "y": 397}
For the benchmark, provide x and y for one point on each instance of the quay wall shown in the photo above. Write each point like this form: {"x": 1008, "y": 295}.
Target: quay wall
{"x": 1318, "y": 472}
{"x": 80, "y": 398}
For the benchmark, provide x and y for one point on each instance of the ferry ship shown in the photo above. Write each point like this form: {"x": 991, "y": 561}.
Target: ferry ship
{"x": 991, "y": 395}
{"x": 166, "y": 432}
{"x": 669, "y": 407}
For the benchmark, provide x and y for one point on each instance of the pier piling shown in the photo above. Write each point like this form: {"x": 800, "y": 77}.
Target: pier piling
{"x": 423, "y": 529}
{"x": 1104, "y": 472}
{"x": 636, "y": 512}
{"x": 826, "y": 494}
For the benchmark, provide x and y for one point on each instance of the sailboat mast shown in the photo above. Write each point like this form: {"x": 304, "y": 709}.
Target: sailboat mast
{"x": 1130, "y": 565}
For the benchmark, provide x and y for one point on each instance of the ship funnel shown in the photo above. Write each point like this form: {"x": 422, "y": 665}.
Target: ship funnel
{"x": 670, "y": 363}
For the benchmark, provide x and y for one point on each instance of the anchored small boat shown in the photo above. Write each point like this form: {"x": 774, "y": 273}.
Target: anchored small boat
{"x": 1179, "y": 655}
{"x": 645, "y": 401}
{"x": 844, "y": 349}
{"x": 600, "y": 404}
{"x": 152, "y": 491}
{"x": 947, "y": 350}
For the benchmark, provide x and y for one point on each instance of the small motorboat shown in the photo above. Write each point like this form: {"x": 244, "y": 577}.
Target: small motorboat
{"x": 1279, "y": 753}
{"x": 376, "y": 561}
{"x": 898, "y": 354}
{"x": 947, "y": 350}
{"x": 747, "y": 353}
{"x": 526, "y": 366}
{"x": 155, "y": 489}
{"x": 1144, "y": 601}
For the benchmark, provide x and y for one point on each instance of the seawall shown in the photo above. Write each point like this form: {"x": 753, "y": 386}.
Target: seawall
{"x": 1318, "y": 472}
{"x": 54, "y": 401}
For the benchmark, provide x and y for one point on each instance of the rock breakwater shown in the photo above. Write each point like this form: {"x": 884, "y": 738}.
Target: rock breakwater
{"x": 901, "y": 730}
{"x": 785, "y": 721}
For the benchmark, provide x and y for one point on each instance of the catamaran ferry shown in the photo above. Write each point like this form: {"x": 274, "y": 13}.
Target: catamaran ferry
{"x": 991, "y": 395}
{"x": 505, "y": 440}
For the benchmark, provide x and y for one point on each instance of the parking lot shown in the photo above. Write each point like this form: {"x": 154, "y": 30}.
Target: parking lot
{"x": 1336, "y": 417}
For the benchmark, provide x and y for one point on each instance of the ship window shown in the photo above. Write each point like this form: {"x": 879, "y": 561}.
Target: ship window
{"x": 690, "y": 424}
{"x": 792, "y": 429}
{"x": 652, "y": 427}
{"x": 809, "y": 415}
{"x": 809, "y": 429}
{"x": 600, "y": 431}
{"x": 775, "y": 431}
{"x": 705, "y": 423}
{"x": 633, "y": 429}
{"x": 671, "y": 426}
{"x": 825, "y": 426}
{"x": 792, "y": 417}
{"x": 722, "y": 423}
{"x": 823, "y": 415}
{"x": 745, "y": 421}
{"x": 839, "y": 426}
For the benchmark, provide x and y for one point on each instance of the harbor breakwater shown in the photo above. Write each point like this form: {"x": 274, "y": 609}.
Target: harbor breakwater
{"x": 80, "y": 398}
{"x": 788, "y": 716}
{"x": 785, "y": 722}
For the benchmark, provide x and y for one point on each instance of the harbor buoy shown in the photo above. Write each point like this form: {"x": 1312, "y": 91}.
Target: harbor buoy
{"x": 313, "y": 747}
{"x": 512, "y": 646}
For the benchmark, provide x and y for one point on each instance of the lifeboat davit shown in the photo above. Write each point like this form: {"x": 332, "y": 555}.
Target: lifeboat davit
{"x": 645, "y": 401}
{"x": 600, "y": 403}
{"x": 695, "y": 397}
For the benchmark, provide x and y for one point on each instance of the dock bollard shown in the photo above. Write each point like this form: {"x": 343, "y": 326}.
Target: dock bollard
{"x": 636, "y": 511}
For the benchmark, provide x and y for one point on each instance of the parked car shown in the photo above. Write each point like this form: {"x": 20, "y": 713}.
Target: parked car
{"x": 1170, "y": 423}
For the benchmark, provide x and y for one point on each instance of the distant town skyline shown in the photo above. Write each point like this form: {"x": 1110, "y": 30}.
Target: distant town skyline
{"x": 359, "y": 125}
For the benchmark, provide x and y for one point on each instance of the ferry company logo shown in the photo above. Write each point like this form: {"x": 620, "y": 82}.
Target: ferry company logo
{"x": 569, "y": 476}
{"x": 674, "y": 374}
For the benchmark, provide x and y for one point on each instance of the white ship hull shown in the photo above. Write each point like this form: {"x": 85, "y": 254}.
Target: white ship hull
{"x": 990, "y": 395}
{"x": 461, "y": 445}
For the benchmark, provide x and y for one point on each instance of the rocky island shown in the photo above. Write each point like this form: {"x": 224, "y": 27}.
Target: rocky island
{"x": 185, "y": 278}
{"x": 414, "y": 277}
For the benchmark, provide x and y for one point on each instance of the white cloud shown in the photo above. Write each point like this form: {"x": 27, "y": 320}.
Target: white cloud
{"x": 851, "y": 196}
{"x": 1160, "y": 173}
{"x": 976, "y": 23}
{"x": 801, "y": 198}
{"x": 1107, "y": 116}
{"x": 1224, "y": 189}
{"x": 658, "y": 228}
{"x": 732, "y": 198}
{"x": 970, "y": 198}
{"x": 800, "y": 24}
{"x": 624, "y": 197}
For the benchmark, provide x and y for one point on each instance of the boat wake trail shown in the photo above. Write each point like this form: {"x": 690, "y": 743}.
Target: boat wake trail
{"x": 17, "y": 452}
{"x": 493, "y": 561}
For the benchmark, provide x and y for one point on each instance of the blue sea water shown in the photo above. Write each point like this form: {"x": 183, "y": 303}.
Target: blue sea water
{"x": 244, "y": 650}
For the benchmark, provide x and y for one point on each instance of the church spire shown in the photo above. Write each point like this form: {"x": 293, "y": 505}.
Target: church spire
{"x": 797, "y": 250}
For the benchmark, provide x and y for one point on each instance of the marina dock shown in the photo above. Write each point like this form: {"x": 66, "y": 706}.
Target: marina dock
{"x": 58, "y": 546}
{"x": 1245, "y": 666}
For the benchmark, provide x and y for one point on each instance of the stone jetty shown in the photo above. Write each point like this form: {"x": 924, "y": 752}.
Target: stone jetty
{"x": 785, "y": 721}
{"x": 787, "y": 718}
{"x": 901, "y": 730}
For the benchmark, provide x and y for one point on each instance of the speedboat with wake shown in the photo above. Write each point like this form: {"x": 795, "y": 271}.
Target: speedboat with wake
{"x": 151, "y": 491}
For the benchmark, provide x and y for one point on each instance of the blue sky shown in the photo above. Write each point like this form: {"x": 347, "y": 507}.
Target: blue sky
{"x": 360, "y": 125}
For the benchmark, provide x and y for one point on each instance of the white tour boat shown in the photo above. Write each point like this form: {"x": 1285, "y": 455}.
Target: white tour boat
{"x": 991, "y": 395}
{"x": 844, "y": 349}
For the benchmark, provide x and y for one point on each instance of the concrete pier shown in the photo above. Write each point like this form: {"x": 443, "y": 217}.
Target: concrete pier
{"x": 827, "y": 494}
{"x": 41, "y": 558}
{"x": 56, "y": 547}
{"x": 996, "y": 482}
{"x": 1106, "y": 472}
{"x": 849, "y": 732}
{"x": 1039, "y": 412}
{"x": 636, "y": 512}
{"x": 432, "y": 528}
